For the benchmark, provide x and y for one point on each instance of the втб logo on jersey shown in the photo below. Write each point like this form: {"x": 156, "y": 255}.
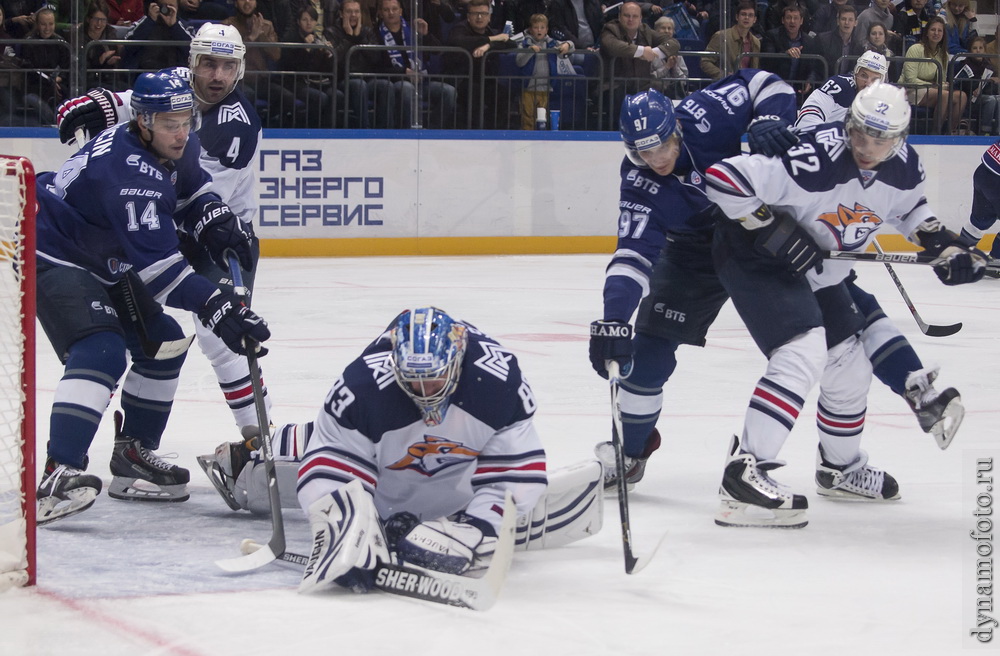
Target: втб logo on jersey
{"x": 433, "y": 455}
{"x": 851, "y": 227}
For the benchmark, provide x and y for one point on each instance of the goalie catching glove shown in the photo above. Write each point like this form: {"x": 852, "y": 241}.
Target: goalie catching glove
{"x": 93, "y": 113}
{"x": 770, "y": 136}
{"x": 454, "y": 546}
{"x": 226, "y": 316}
{"x": 221, "y": 231}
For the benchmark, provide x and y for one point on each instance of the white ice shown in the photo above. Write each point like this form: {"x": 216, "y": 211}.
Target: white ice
{"x": 133, "y": 578}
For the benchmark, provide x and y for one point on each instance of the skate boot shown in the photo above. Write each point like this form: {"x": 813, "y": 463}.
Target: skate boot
{"x": 64, "y": 491}
{"x": 224, "y": 467}
{"x": 939, "y": 413}
{"x": 635, "y": 468}
{"x": 856, "y": 482}
{"x": 141, "y": 475}
{"x": 750, "y": 497}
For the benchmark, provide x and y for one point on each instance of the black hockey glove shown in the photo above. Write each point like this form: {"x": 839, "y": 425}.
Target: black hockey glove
{"x": 610, "y": 340}
{"x": 226, "y": 316}
{"x": 788, "y": 242}
{"x": 934, "y": 237}
{"x": 219, "y": 231}
{"x": 770, "y": 135}
{"x": 94, "y": 113}
{"x": 961, "y": 265}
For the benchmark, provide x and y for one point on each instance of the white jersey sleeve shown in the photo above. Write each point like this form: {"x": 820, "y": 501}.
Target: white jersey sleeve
{"x": 829, "y": 103}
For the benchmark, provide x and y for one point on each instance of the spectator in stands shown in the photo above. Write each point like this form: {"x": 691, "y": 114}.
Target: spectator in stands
{"x": 11, "y": 79}
{"x": 349, "y": 30}
{"x": 742, "y": 44}
{"x": 841, "y": 42}
{"x": 960, "y": 25}
{"x": 406, "y": 70}
{"x": 439, "y": 13}
{"x": 327, "y": 11}
{"x": 196, "y": 10}
{"x": 629, "y": 47}
{"x": 278, "y": 12}
{"x": 125, "y": 12}
{"x": 776, "y": 14}
{"x": 672, "y": 72}
{"x": 579, "y": 21}
{"x": 313, "y": 84}
{"x": 161, "y": 23}
{"x": 825, "y": 17}
{"x": 910, "y": 23}
{"x": 790, "y": 39}
{"x": 475, "y": 36}
{"x": 541, "y": 67}
{"x": 95, "y": 27}
{"x": 50, "y": 61}
{"x": 876, "y": 42}
{"x": 977, "y": 76}
{"x": 921, "y": 78}
{"x": 20, "y": 16}
{"x": 879, "y": 12}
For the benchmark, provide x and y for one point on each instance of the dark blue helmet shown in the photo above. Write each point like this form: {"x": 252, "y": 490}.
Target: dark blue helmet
{"x": 160, "y": 92}
{"x": 647, "y": 120}
{"x": 428, "y": 347}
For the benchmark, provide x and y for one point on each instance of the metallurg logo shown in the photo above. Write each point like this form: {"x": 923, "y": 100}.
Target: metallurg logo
{"x": 851, "y": 227}
{"x": 434, "y": 454}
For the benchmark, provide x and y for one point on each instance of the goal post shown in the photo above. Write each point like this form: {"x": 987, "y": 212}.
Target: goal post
{"x": 17, "y": 371}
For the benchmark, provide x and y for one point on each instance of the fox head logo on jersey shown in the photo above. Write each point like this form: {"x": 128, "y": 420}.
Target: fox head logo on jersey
{"x": 851, "y": 227}
{"x": 433, "y": 455}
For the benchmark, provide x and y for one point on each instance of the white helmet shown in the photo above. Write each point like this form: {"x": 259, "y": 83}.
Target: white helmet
{"x": 219, "y": 41}
{"x": 874, "y": 62}
{"x": 882, "y": 111}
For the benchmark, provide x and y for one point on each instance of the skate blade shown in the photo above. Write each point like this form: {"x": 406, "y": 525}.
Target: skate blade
{"x": 845, "y": 495}
{"x": 136, "y": 489}
{"x": 215, "y": 475}
{"x": 51, "y": 509}
{"x": 944, "y": 430}
{"x": 737, "y": 514}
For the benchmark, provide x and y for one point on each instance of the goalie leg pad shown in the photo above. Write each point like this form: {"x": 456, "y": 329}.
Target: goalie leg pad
{"x": 571, "y": 509}
{"x": 348, "y": 543}
{"x": 251, "y": 486}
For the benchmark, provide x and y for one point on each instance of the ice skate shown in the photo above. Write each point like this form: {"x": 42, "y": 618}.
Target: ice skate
{"x": 635, "y": 468}
{"x": 939, "y": 413}
{"x": 750, "y": 497}
{"x": 64, "y": 491}
{"x": 856, "y": 481}
{"x": 224, "y": 466}
{"x": 141, "y": 475}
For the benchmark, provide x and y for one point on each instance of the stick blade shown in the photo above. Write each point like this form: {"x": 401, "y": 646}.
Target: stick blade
{"x": 172, "y": 349}
{"x": 253, "y": 559}
{"x": 639, "y": 563}
{"x": 941, "y": 331}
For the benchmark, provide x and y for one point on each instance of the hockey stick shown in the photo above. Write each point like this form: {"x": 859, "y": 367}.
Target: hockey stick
{"x": 152, "y": 349}
{"x": 992, "y": 266}
{"x": 633, "y": 563}
{"x": 438, "y": 587}
{"x": 927, "y": 329}
{"x": 276, "y": 545}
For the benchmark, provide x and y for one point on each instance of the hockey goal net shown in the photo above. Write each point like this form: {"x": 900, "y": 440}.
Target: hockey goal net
{"x": 17, "y": 372}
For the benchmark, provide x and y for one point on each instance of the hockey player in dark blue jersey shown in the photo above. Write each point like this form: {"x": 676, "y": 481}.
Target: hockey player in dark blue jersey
{"x": 663, "y": 263}
{"x": 230, "y": 132}
{"x": 107, "y": 258}
{"x": 832, "y": 191}
{"x": 985, "y": 200}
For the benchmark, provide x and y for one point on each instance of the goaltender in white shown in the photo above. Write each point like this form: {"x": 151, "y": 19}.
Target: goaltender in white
{"x": 411, "y": 457}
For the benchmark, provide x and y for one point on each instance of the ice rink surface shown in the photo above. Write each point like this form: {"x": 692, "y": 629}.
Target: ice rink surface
{"x": 130, "y": 578}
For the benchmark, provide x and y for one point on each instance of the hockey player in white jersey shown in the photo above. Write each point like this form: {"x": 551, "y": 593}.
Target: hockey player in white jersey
{"x": 107, "y": 258}
{"x": 894, "y": 360}
{"x": 832, "y": 191}
{"x": 230, "y": 132}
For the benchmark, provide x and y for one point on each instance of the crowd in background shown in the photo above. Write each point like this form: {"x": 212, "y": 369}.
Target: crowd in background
{"x": 498, "y": 64}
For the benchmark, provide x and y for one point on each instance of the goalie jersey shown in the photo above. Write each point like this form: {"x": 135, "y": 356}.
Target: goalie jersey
{"x": 112, "y": 207}
{"x": 369, "y": 429}
{"x": 654, "y": 209}
{"x": 818, "y": 183}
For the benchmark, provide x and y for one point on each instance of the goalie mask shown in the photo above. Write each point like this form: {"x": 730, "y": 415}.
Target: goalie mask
{"x": 647, "y": 121}
{"x": 882, "y": 113}
{"x": 427, "y": 351}
{"x": 221, "y": 42}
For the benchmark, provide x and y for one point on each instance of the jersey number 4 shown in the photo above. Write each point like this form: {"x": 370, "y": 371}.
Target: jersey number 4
{"x": 149, "y": 216}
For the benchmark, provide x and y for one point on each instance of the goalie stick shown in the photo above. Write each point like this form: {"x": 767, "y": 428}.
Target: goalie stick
{"x": 633, "y": 563}
{"x": 438, "y": 587}
{"x": 150, "y": 348}
{"x": 276, "y": 545}
{"x": 931, "y": 330}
